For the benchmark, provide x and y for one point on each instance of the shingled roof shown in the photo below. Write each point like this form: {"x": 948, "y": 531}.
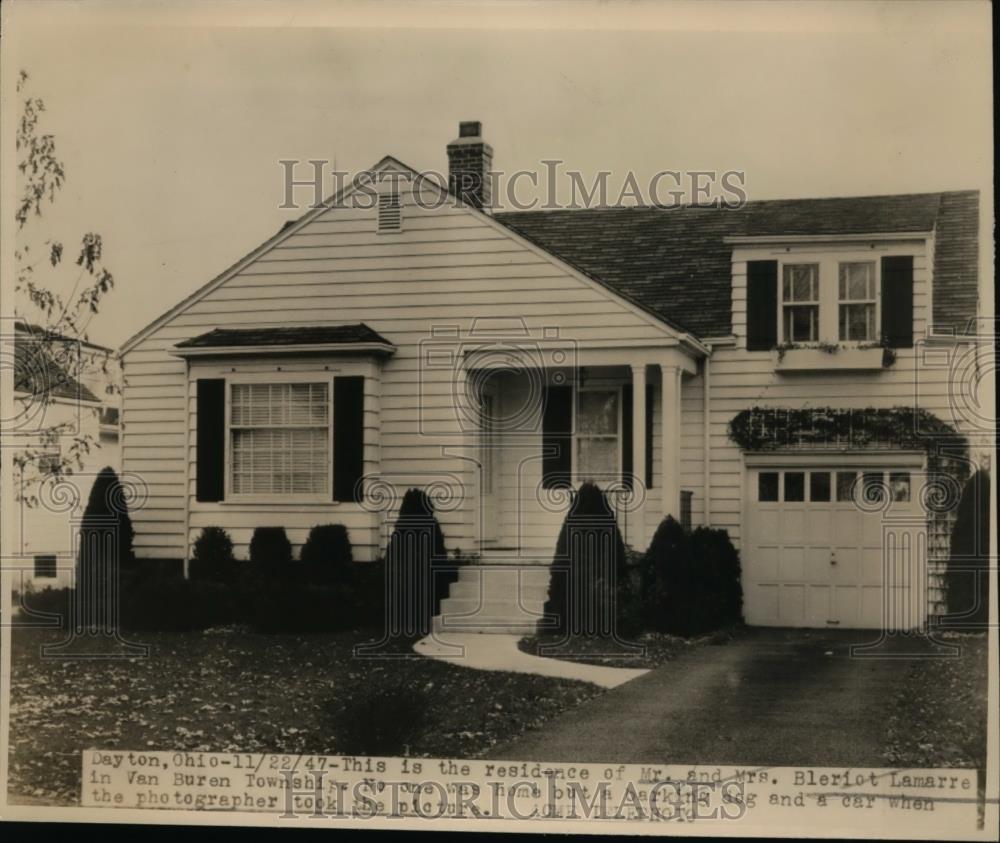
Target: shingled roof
{"x": 42, "y": 363}
{"x": 304, "y": 335}
{"x": 675, "y": 261}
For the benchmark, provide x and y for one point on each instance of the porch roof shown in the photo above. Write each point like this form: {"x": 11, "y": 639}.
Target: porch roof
{"x": 352, "y": 338}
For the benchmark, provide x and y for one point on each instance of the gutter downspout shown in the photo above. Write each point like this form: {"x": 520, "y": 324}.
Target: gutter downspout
{"x": 706, "y": 459}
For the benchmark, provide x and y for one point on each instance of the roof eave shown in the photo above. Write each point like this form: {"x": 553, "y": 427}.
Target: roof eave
{"x": 764, "y": 239}
{"x": 366, "y": 348}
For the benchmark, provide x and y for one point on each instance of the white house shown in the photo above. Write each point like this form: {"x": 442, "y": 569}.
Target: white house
{"x": 494, "y": 359}
{"x": 67, "y": 399}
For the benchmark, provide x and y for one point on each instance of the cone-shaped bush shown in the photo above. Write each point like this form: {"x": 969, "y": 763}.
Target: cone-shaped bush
{"x": 271, "y": 553}
{"x": 327, "y": 555}
{"x": 968, "y": 577}
{"x": 588, "y": 567}
{"x": 690, "y": 583}
{"x": 212, "y": 557}
{"x": 416, "y": 567}
{"x": 106, "y": 537}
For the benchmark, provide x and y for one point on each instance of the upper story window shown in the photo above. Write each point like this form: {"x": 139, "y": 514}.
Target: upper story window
{"x": 829, "y": 300}
{"x": 390, "y": 212}
{"x": 857, "y": 301}
{"x": 280, "y": 438}
{"x": 800, "y": 302}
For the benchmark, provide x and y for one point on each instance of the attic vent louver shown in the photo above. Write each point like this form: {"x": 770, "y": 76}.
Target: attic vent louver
{"x": 390, "y": 213}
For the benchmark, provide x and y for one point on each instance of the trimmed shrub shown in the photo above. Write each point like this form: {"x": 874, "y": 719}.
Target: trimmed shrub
{"x": 106, "y": 536}
{"x": 690, "y": 583}
{"x": 589, "y": 571}
{"x": 175, "y": 604}
{"x": 301, "y": 608}
{"x": 212, "y": 557}
{"x": 417, "y": 567}
{"x": 718, "y": 595}
{"x": 327, "y": 556}
{"x": 967, "y": 579}
{"x": 271, "y": 552}
{"x": 368, "y": 580}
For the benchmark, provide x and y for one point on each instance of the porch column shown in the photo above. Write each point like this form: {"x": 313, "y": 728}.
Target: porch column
{"x": 670, "y": 413}
{"x": 467, "y": 417}
{"x": 638, "y": 520}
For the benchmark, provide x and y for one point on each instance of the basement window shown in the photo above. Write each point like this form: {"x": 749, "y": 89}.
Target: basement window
{"x": 390, "y": 213}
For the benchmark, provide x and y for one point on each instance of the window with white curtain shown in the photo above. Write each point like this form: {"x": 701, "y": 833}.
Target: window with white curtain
{"x": 800, "y": 302}
{"x": 280, "y": 438}
{"x": 857, "y": 301}
{"x": 597, "y": 457}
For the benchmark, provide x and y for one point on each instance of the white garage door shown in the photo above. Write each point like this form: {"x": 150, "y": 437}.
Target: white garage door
{"x": 834, "y": 546}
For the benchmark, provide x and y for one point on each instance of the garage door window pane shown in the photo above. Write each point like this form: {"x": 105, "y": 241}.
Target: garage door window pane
{"x": 767, "y": 486}
{"x": 845, "y": 485}
{"x": 872, "y": 488}
{"x": 899, "y": 483}
{"x": 819, "y": 485}
{"x": 795, "y": 486}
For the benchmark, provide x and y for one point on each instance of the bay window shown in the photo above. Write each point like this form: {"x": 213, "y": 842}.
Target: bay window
{"x": 280, "y": 438}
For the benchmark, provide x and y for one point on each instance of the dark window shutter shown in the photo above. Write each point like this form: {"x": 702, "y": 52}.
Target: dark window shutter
{"x": 211, "y": 439}
{"x": 650, "y": 395}
{"x": 762, "y": 305}
{"x": 897, "y": 300}
{"x": 348, "y": 437}
{"x": 626, "y": 437}
{"x": 557, "y": 441}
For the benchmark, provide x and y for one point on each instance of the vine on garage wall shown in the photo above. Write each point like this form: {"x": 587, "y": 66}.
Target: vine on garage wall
{"x": 907, "y": 428}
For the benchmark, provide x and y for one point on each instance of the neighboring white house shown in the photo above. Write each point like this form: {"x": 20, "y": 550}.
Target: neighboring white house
{"x": 494, "y": 359}
{"x": 66, "y": 391}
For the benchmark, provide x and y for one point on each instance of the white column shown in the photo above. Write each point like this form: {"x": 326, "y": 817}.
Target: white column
{"x": 466, "y": 452}
{"x": 638, "y": 518}
{"x": 670, "y": 413}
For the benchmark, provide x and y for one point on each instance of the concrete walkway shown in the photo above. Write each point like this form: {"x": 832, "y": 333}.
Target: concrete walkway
{"x": 771, "y": 697}
{"x": 500, "y": 652}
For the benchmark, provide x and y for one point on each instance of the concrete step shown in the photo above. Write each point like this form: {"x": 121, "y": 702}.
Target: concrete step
{"x": 487, "y": 624}
{"x": 499, "y": 598}
{"x": 508, "y": 606}
{"x": 510, "y": 576}
{"x": 490, "y": 589}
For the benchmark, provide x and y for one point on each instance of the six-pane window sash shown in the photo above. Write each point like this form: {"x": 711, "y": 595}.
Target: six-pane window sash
{"x": 857, "y": 299}
{"x": 800, "y": 302}
{"x": 280, "y": 438}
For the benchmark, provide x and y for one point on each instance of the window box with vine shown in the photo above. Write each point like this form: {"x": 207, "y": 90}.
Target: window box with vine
{"x": 830, "y": 356}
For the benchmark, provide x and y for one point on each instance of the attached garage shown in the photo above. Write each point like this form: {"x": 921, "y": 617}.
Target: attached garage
{"x": 835, "y": 541}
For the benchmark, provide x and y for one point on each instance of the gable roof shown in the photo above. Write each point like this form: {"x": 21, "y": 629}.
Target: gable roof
{"x": 357, "y": 334}
{"x": 676, "y": 261}
{"x": 38, "y": 371}
{"x": 292, "y": 226}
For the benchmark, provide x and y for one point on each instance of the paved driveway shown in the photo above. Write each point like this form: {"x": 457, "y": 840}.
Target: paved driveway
{"x": 770, "y": 697}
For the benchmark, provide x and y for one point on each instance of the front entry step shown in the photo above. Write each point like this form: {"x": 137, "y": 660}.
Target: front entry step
{"x": 495, "y": 598}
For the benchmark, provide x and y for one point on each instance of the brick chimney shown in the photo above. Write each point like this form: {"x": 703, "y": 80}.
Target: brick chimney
{"x": 469, "y": 162}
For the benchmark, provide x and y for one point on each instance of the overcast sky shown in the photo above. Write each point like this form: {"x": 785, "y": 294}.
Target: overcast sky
{"x": 171, "y": 134}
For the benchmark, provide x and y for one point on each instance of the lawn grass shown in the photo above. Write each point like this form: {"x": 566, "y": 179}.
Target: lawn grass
{"x": 939, "y": 717}
{"x": 237, "y": 691}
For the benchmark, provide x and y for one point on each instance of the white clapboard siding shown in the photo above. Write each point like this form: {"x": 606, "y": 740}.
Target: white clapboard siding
{"x": 446, "y": 267}
{"x": 742, "y": 379}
